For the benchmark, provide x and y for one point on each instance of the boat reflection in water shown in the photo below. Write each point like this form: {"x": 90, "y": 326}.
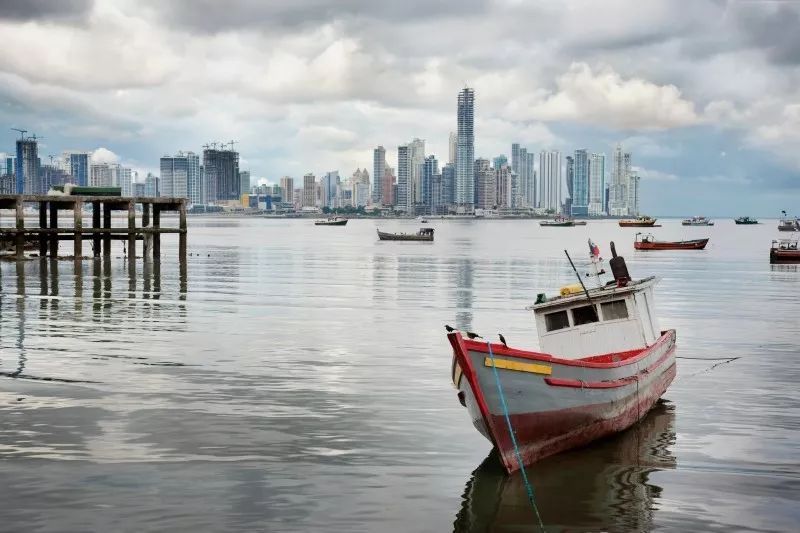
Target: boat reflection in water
{"x": 603, "y": 487}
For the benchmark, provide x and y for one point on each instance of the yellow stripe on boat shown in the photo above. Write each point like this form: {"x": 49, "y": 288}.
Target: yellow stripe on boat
{"x": 516, "y": 365}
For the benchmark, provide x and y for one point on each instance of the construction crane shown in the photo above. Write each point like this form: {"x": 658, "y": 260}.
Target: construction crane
{"x": 21, "y": 133}
{"x": 231, "y": 144}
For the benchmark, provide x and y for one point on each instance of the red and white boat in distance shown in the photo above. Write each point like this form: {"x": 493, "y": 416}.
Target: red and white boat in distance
{"x": 604, "y": 363}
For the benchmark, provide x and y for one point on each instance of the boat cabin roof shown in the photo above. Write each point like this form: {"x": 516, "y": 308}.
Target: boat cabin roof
{"x": 785, "y": 244}
{"x": 426, "y": 231}
{"x": 597, "y": 294}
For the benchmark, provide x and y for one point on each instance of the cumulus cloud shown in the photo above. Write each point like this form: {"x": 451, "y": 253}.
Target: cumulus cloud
{"x": 604, "y": 98}
{"x": 104, "y": 155}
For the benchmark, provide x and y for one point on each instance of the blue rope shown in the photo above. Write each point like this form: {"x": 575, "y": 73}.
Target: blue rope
{"x": 528, "y": 486}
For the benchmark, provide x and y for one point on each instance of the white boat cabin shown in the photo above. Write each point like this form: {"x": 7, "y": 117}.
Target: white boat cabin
{"x": 619, "y": 319}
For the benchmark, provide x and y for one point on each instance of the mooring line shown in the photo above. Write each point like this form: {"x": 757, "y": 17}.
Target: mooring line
{"x": 528, "y": 486}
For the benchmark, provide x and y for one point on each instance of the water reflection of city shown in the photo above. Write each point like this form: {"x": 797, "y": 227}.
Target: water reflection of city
{"x": 603, "y": 487}
{"x": 60, "y": 296}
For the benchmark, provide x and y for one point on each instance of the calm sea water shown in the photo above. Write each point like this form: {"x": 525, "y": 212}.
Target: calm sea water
{"x": 298, "y": 380}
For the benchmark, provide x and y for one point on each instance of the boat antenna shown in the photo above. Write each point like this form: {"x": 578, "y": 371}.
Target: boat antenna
{"x": 586, "y": 292}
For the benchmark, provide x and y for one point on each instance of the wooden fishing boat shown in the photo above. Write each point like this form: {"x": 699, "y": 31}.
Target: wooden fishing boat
{"x": 638, "y": 222}
{"x": 604, "y": 363}
{"x": 424, "y": 234}
{"x": 745, "y": 221}
{"x": 331, "y": 221}
{"x": 784, "y": 251}
{"x": 558, "y": 222}
{"x": 648, "y": 242}
{"x": 697, "y": 221}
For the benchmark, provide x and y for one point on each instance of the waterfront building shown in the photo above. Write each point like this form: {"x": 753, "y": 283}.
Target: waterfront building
{"x": 221, "y": 172}
{"x": 77, "y": 165}
{"x": 597, "y": 185}
{"x": 430, "y": 169}
{"x": 499, "y": 161}
{"x": 417, "y": 154}
{"x": 620, "y": 177}
{"x": 580, "y": 184}
{"x": 51, "y": 175}
{"x": 389, "y": 186}
{"x": 378, "y": 171}
{"x": 122, "y": 177}
{"x": 139, "y": 189}
{"x": 452, "y": 144}
{"x": 244, "y": 182}
{"x": 515, "y": 149}
{"x": 449, "y": 184}
{"x": 465, "y": 151}
{"x": 550, "y": 180}
{"x": 504, "y": 186}
{"x": 309, "y": 190}
{"x": 151, "y": 186}
{"x": 633, "y": 195}
{"x": 528, "y": 167}
{"x": 180, "y": 176}
{"x": 8, "y": 161}
{"x": 404, "y": 200}
{"x": 328, "y": 183}
{"x": 100, "y": 175}
{"x": 287, "y": 190}
{"x": 485, "y": 185}
{"x": 27, "y": 166}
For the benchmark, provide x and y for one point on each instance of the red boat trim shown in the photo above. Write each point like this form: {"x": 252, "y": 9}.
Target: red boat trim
{"x": 610, "y": 384}
{"x": 499, "y": 349}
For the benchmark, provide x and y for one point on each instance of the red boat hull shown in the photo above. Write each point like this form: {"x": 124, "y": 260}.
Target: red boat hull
{"x": 784, "y": 256}
{"x": 557, "y": 404}
{"x": 697, "y": 244}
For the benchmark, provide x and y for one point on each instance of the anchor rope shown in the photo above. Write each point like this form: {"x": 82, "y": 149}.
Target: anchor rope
{"x": 528, "y": 486}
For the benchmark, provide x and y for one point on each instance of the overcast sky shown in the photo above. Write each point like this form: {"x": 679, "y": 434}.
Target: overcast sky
{"x": 706, "y": 94}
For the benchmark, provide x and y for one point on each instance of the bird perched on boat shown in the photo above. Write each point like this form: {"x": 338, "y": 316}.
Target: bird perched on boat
{"x": 473, "y": 336}
{"x": 502, "y": 339}
{"x": 450, "y": 329}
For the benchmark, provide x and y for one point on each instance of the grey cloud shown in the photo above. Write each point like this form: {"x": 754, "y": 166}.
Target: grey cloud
{"x": 774, "y": 28}
{"x": 24, "y": 10}
{"x": 212, "y": 16}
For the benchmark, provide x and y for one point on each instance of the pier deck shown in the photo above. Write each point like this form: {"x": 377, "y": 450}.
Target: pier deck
{"x": 101, "y": 232}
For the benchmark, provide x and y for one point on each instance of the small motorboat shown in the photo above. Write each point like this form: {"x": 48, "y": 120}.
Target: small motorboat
{"x": 638, "y": 222}
{"x": 648, "y": 242}
{"x": 331, "y": 221}
{"x": 784, "y": 251}
{"x": 422, "y": 220}
{"x": 745, "y": 220}
{"x": 604, "y": 363}
{"x": 697, "y": 221}
{"x": 558, "y": 222}
{"x": 424, "y": 234}
{"x": 788, "y": 223}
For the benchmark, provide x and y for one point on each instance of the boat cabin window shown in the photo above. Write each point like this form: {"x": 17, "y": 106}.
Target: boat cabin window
{"x": 614, "y": 310}
{"x": 557, "y": 320}
{"x": 585, "y": 315}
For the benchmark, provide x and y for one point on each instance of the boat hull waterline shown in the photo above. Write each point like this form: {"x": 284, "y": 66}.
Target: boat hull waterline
{"x": 424, "y": 237}
{"x": 558, "y": 404}
{"x": 697, "y": 244}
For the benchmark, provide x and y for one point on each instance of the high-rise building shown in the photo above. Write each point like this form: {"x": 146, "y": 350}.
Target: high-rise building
{"x": 528, "y": 172}
{"x": 221, "y": 172}
{"x": 485, "y": 185}
{"x": 430, "y": 170}
{"x": 378, "y": 171}
{"x": 329, "y": 182}
{"x": 633, "y": 195}
{"x": 620, "y": 177}
{"x": 452, "y": 143}
{"x": 504, "y": 186}
{"x": 122, "y": 177}
{"x": 309, "y": 190}
{"x": 580, "y": 184}
{"x": 404, "y": 200}
{"x": 465, "y": 151}
{"x": 287, "y": 189}
{"x": 100, "y": 175}
{"x": 570, "y": 171}
{"x": 499, "y": 161}
{"x": 244, "y": 182}
{"x": 597, "y": 184}
{"x": 448, "y": 184}
{"x": 77, "y": 165}
{"x": 180, "y": 176}
{"x": 27, "y": 166}
{"x": 9, "y": 165}
{"x": 417, "y": 154}
{"x": 389, "y": 186}
{"x": 151, "y": 188}
{"x": 515, "y": 148}
{"x": 550, "y": 180}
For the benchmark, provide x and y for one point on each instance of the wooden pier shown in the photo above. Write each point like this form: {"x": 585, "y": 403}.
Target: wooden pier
{"x": 101, "y": 233}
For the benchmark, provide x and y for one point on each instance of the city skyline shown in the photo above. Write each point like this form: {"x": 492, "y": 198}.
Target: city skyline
{"x": 324, "y": 89}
